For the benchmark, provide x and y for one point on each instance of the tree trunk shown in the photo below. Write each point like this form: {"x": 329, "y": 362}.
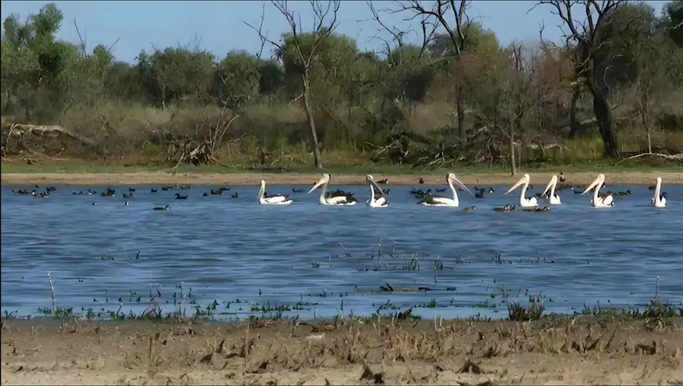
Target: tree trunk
{"x": 462, "y": 130}
{"x": 311, "y": 122}
{"x": 605, "y": 119}
{"x": 574, "y": 125}
{"x": 513, "y": 160}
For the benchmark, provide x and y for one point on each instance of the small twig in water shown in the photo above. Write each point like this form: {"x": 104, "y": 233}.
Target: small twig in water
{"x": 52, "y": 290}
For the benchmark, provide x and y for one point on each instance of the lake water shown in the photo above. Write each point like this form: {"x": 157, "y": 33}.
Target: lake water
{"x": 317, "y": 259}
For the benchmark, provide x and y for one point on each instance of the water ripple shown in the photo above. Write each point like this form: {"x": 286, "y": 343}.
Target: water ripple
{"x": 227, "y": 249}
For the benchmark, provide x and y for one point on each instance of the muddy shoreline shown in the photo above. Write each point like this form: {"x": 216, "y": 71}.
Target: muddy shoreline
{"x": 370, "y": 351}
{"x": 162, "y": 178}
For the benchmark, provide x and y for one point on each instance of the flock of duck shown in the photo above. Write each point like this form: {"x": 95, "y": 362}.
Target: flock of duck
{"x": 378, "y": 195}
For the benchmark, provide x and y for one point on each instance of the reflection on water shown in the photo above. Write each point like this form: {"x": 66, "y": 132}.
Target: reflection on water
{"x": 315, "y": 258}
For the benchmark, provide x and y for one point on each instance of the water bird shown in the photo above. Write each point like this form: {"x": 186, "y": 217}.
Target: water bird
{"x": 152, "y": 190}
{"x": 295, "y": 190}
{"x": 167, "y": 207}
{"x": 126, "y": 195}
{"x": 383, "y": 182}
{"x": 538, "y": 210}
{"x": 479, "y": 192}
{"x": 108, "y": 193}
{"x": 131, "y": 189}
{"x": 553, "y": 198}
{"x": 421, "y": 181}
{"x": 337, "y": 197}
{"x": 185, "y": 187}
{"x": 597, "y": 201}
{"x": 216, "y": 192}
{"x": 506, "y": 208}
{"x": 235, "y": 195}
{"x": 469, "y": 209}
{"x": 205, "y": 194}
{"x": 21, "y": 191}
{"x": 445, "y": 201}
{"x": 379, "y": 202}
{"x": 523, "y": 201}
{"x": 125, "y": 203}
{"x": 93, "y": 203}
{"x": 628, "y": 192}
{"x": 281, "y": 199}
{"x": 179, "y": 197}
{"x": 562, "y": 179}
{"x": 658, "y": 201}
{"x": 223, "y": 189}
{"x": 50, "y": 189}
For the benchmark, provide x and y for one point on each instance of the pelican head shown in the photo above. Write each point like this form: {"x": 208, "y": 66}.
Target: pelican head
{"x": 325, "y": 179}
{"x": 371, "y": 181}
{"x": 523, "y": 181}
{"x": 598, "y": 181}
{"x": 451, "y": 179}
{"x": 553, "y": 182}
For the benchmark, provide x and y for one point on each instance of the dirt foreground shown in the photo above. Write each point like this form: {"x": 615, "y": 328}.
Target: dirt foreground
{"x": 578, "y": 352}
{"x": 159, "y": 178}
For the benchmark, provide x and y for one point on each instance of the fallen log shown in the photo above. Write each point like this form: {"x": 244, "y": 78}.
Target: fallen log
{"x": 20, "y": 130}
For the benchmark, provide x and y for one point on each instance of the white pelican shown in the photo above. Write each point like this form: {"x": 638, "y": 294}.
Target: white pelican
{"x": 523, "y": 201}
{"x": 597, "y": 201}
{"x": 279, "y": 199}
{"x": 658, "y": 201}
{"x": 553, "y": 198}
{"x": 379, "y": 202}
{"x": 430, "y": 200}
{"x": 346, "y": 199}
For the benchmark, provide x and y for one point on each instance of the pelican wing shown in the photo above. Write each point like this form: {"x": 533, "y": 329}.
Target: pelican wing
{"x": 436, "y": 200}
{"x": 337, "y": 200}
{"x": 276, "y": 199}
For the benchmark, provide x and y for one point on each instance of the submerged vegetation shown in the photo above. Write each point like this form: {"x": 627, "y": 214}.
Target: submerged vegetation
{"x": 458, "y": 98}
{"x": 518, "y": 304}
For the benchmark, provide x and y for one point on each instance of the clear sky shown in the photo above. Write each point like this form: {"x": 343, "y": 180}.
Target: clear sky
{"x": 140, "y": 24}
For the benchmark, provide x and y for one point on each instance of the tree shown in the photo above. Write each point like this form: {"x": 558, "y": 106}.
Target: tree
{"x": 457, "y": 31}
{"x": 305, "y": 47}
{"x": 589, "y": 37}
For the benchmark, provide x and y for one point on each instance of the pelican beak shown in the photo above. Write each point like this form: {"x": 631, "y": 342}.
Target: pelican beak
{"x": 317, "y": 185}
{"x": 377, "y": 187}
{"x": 460, "y": 184}
{"x": 515, "y": 186}
{"x": 591, "y": 186}
{"x": 552, "y": 182}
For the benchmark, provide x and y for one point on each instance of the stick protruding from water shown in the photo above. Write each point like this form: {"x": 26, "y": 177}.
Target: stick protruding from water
{"x": 52, "y": 290}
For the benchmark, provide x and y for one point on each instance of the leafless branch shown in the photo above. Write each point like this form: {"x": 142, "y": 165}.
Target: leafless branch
{"x": 83, "y": 41}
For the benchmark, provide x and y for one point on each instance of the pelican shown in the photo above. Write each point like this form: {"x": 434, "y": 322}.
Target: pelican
{"x": 346, "y": 199}
{"x": 277, "y": 199}
{"x": 379, "y": 202}
{"x": 430, "y": 200}
{"x": 658, "y": 200}
{"x": 553, "y": 198}
{"x": 597, "y": 201}
{"x": 523, "y": 201}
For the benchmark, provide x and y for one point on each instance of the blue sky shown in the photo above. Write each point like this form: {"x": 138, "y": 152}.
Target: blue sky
{"x": 141, "y": 24}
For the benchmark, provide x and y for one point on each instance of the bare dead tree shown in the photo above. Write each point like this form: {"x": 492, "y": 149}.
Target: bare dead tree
{"x": 439, "y": 14}
{"x": 589, "y": 37}
{"x": 324, "y": 23}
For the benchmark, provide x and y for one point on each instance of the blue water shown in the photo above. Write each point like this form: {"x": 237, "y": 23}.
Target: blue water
{"x": 319, "y": 259}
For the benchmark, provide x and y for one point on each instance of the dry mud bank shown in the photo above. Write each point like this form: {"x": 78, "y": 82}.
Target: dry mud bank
{"x": 370, "y": 352}
{"x": 158, "y": 178}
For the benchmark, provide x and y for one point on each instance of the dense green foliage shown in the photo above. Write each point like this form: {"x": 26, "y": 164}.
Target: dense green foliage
{"x": 395, "y": 107}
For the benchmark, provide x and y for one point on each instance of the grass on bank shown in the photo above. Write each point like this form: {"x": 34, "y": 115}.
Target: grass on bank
{"x": 91, "y": 167}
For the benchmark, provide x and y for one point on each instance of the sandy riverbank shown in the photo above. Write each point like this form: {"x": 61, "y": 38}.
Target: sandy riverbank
{"x": 375, "y": 352}
{"x": 161, "y": 178}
